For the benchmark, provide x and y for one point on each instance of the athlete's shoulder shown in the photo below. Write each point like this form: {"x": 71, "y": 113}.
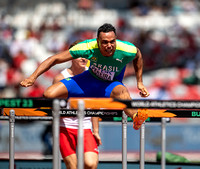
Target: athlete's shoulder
{"x": 91, "y": 43}
{"x": 88, "y": 44}
{"x": 126, "y": 46}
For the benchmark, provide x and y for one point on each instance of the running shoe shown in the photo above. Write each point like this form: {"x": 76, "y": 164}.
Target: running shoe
{"x": 139, "y": 118}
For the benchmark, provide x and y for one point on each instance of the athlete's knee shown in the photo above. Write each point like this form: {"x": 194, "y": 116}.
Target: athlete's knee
{"x": 56, "y": 90}
{"x": 90, "y": 160}
{"x": 48, "y": 93}
{"x": 119, "y": 91}
{"x": 91, "y": 164}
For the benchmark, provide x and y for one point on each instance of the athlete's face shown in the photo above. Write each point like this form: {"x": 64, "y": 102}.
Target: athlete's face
{"x": 80, "y": 62}
{"x": 107, "y": 43}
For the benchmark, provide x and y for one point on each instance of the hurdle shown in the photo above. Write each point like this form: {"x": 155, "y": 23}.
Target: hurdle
{"x": 13, "y": 104}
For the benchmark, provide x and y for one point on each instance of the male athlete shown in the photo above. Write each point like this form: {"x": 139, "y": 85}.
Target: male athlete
{"x": 108, "y": 58}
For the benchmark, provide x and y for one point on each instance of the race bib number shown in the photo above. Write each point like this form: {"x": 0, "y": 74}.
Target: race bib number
{"x": 103, "y": 74}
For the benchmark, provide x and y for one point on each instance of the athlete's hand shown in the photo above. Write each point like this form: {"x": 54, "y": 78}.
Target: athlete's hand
{"x": 143, "y": 91}
{"x": 97, "y": 138}
{"x": 27, "y": 82}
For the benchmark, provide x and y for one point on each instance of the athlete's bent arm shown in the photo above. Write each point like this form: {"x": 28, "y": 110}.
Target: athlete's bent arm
{"x": 138, "y": 66}
{"x": 46, "y": 65}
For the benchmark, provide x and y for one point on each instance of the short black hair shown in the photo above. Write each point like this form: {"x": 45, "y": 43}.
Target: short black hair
{"x": 106, "y": 27}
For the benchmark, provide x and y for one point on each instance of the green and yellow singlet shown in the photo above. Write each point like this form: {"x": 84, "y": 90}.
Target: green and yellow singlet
{"x": 101, "y": 67}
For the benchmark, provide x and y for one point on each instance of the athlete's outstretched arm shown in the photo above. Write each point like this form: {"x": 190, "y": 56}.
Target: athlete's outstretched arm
{"x": 46, "y": 65}
{"x": 95, "y": 126}
{"x": 138, "y": 66}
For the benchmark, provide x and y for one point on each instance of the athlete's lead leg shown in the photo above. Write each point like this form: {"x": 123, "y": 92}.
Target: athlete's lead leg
{"x": 138, "y": 117}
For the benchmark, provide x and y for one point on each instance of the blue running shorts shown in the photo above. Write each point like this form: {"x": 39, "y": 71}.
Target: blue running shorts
{"x": 86, "y": 85}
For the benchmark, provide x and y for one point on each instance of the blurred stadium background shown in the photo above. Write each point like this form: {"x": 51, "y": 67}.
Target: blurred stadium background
{"x": 166, "y": 31}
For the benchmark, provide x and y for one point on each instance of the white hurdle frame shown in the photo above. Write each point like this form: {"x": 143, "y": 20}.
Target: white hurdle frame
{"x": 11, "y": 139}
{"x": 124, "y": 140}
{"x": 80, "y": 155}
{"x": 142, "y": 146}
{"x": 56, "y": 135}
{"x": 163, "y": 143}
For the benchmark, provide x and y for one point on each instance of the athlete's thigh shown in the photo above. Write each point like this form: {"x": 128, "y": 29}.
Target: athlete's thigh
{"x": 90, "y": 150}
{"x": 82, "y": 85}
{"x": 91, "y": 159}
{"x": 68, "y": 140}
{"x": 90, "y": 144}
{"x": 56, "y": 90}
